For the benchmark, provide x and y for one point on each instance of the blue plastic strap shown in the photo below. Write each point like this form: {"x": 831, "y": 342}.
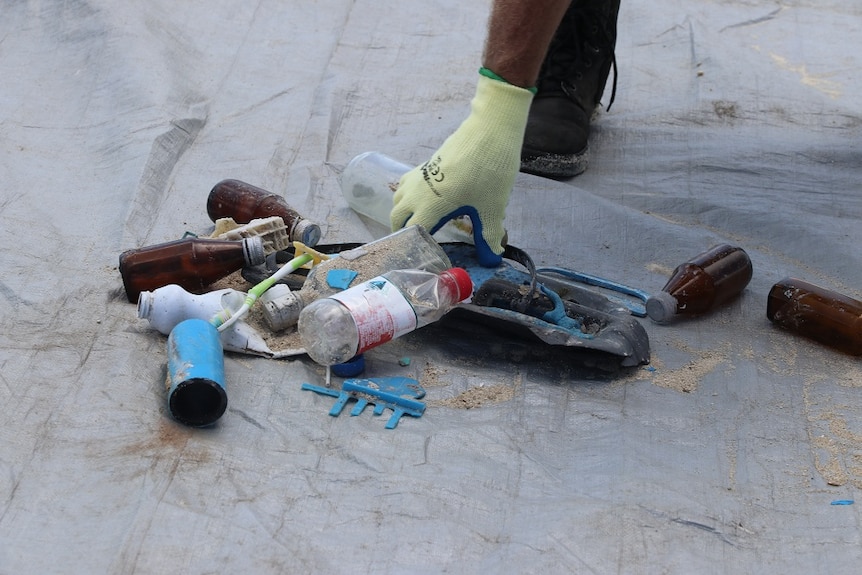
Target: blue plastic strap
{"x": 635, "y": 309}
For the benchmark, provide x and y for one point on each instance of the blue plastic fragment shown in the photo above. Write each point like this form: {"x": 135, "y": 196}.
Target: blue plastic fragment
{"x": 842, "y": 502}
{"x": 340, "y": 279}
{"x": 400, "y": 394}
{"x": 557, "y": 316}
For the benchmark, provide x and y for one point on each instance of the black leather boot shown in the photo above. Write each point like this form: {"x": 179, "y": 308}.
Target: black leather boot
{"x": 571, "y": 83}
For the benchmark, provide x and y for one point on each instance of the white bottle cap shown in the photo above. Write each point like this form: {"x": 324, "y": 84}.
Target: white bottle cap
{"x": 145, "y": 303}
{"x": 306, "y": 232}
{"x": 274, "y": 292}
{"x": 254, "y": 254}
{"x": 661, "y": 307}
{"x": 281, "y": 307}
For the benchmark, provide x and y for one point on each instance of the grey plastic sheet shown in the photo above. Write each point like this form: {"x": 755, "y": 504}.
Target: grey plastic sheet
{"x": 735, "y": 121}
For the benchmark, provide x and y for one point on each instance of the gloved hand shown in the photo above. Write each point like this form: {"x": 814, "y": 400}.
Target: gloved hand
{"x": 473, "y": 171}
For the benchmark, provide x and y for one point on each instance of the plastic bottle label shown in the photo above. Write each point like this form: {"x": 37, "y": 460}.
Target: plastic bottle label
{"x": 380, "y": 310}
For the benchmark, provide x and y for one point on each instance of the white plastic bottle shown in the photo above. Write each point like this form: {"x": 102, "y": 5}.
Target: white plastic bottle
{"x": 339, "y": 327}
{"x": 168, "y": 305}
{"x": 368, "y": 184}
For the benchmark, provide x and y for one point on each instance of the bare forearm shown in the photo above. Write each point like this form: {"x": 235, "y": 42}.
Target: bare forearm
{"x": 519, "y": 33}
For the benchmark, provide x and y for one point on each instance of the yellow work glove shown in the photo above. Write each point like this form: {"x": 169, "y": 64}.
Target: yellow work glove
{"x": 473, "y": 172}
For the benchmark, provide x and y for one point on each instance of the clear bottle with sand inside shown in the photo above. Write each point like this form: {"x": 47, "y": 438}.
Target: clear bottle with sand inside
{"x": 337, "y": 328}
{"x": 408, "y": 248}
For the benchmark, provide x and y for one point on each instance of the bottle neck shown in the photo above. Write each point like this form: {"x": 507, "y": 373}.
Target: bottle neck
{"x": 252, "y": 251}
{"x": 145, "y": 304}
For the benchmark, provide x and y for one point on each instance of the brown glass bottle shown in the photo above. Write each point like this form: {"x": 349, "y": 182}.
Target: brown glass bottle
{"x": 191, "y": 263}
{"x": 702, "y": 284}
{"x": 818, "y": 313}
{"x": 244, "y": 202}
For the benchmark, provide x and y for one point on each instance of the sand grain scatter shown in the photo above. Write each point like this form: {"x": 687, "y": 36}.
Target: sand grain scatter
{"x": 478, "y": 396}
{"x": 686, "y": 378}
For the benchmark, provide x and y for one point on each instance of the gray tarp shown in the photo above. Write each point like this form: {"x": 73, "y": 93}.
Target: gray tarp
{"x": 735, "y": 121}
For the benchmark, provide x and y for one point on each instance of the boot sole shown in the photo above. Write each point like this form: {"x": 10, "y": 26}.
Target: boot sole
{"x": 555, "y": 165}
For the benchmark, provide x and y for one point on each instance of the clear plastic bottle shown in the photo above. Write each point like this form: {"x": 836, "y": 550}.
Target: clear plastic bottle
{"x": 167, "y": 306}
{"x": 408, "y": 248}
{"x": 244, "y": 202}
{"x": 702, "y": 284}
{"x": 339, "y": 327}
{"x": 368, "y": 184}
{"x": 192, "y": 263}
{"x": 815, "y": 312}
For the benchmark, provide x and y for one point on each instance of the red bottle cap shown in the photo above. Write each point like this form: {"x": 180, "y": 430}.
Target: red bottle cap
{"x": 462, "y": 282}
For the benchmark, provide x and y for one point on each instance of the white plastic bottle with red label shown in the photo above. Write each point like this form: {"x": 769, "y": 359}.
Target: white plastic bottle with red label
{"x": 339, "y": 327}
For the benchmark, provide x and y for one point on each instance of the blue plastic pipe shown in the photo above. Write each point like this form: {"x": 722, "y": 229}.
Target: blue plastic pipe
{"x": 196, "y": 390}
